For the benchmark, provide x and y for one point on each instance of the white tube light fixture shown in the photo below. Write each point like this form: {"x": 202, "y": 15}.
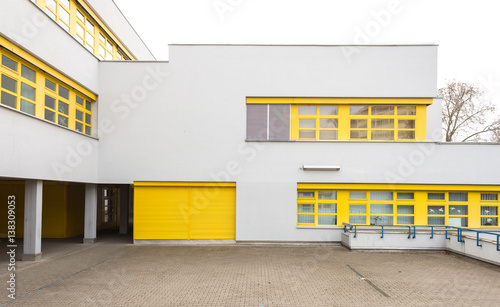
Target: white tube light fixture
{"x": 320, "y": 168}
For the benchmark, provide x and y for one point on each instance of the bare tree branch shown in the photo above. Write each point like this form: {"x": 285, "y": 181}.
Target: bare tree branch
{"x": 467, "y": 114}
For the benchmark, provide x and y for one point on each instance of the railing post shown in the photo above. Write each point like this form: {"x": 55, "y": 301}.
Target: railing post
{"x": 477, "y": 240}
{"x": 355, "y": 229}
{"x": 498, "y": 241}
{"x": 432, "y": 232}
{"x": 382, "y": 231}
{"x": 409, "y": 232}
{"x": 414, "y": 231}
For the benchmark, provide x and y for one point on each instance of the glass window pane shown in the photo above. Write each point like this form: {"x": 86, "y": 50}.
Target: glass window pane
{"x": 64, "y": 15}
{"x": 489, "y": 196}
{"x": 458, "y": 221}
{"x": 405, "y": 209}
{"x": 382, "y": 110}
{"x": 458, "y": 196}
{"x": 79, "y": 115}
{"x": 27, "y": 107}
{"x": 406, "y": 135}
{"x": 304, "y": 194}
{"x": 307, "y": 123}
{"x": 359, "y": 134}
{"x": 358, "y": 110}
{"x": 380, "y": 220}
{"x": 28, "y": 91}
{"x": 9, "y": 63}
{"x": 88, "y": 130}
{"x": 331, "y": 195}
{"x": 307, "y": 110}
{"x": 328, "y": 134}
{"x": 88, "y": 119}
{"x": 28, "y": 73}
{"x": 102, "y": 52}
{"x": 435, "y": 196}
{"x": 109, "y": 46}
{"x": 102, "y": 38}
{"x": 327, "y": 220}
{"x": 89, "y": 39}
{"x": 80, "y": 40}
{"x": 407, "y": 110}
{"x": 328, "y": 110}
{"x": 109, "y": 56}
{"x": 328, "y": 123}
{"x": 9, "y": 100}
{"x": 305, "y": 208}
{"x": 305, "y": 219}
{"x": 489, "y": 221}
{"x": 357, "y": 195}
{"x": 79, "y": 127}
{"x": 357, "y": 209}
{"x": 307, "y": 134}
{"x": 50, "y": 85}
{"x": 89, "y": 26}
{"x": 9, "y": 84}
{"x": 381, "y": 208}
{"x": 62, "y": 120}
{"x": 435, "y": 220}
{"x": 80, "y": 30}
{"x": 381, "y": 195}
{"x": 49, "y": 115}
{"x": 80, "y": 16}
{"x": 382, "y": 123}
{"x": 406, "y": 124}
{"x": 327, "y": 208}
{"x": 51, "y": 4}
{"x": 383, "y": 135}
{"x": 357, "y": 219}
{"x": 458, "y": 210}
{"x": 63, "y": 92}
{"x": 404, "y": 195}
{"x": 359, "y": 123}
{"x": 406, "y": 220}
{"x": 65, "y": 2}
{"x": 79, "y": 100}
{"x": 50, "y": 102}
{"x": 489, "y": 210}
{"x": 435, "y": 210}
{"x": 63, "y": 107}
{"x": 88, "y": 105}
{"x": 51, "y": 14}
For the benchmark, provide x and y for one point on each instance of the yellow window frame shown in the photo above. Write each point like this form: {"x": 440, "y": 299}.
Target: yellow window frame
{"x": 77, "y": 7}
{"x": 315, "y": 202}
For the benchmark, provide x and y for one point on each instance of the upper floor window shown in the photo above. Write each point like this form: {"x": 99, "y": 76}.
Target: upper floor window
{"x": 75, "y": 19}
{"x": 27, "y": 88}
{"x": 338, "y": 119}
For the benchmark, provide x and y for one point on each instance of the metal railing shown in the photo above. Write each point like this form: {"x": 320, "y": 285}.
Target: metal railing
{"x": 458, "y": 231}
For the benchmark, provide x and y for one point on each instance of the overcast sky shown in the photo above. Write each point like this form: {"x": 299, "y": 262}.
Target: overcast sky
{"x": 467, "y": 32}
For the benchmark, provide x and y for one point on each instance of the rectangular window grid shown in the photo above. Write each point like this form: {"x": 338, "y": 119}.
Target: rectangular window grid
{"x": 489, "y": 209}
{"x": 448, "y": 209}
{"x": 74, "y": 19}
{"x": 26, "y": 88}
{"x": 317, "y": 208}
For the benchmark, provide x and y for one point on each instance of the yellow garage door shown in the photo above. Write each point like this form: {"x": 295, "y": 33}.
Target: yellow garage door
{"x": 164, "y": 210}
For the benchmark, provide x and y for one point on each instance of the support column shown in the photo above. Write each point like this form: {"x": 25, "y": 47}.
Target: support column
{"x": 124, "y": 209}
{"x": 32, "y": 220}
{"x": 90, "y": 232}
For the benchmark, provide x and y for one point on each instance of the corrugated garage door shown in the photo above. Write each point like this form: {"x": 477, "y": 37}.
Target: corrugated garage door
{"x": 164, "y": 210}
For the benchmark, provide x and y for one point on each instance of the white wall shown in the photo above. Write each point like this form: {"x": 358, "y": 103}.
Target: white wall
{"x": 34, "y": 149}
{"x": 28, "y": 26}
{"x": 189, "y": 125}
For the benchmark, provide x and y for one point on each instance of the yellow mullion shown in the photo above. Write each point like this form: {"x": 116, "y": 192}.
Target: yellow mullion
{"x": 72, "y": 110}
{"x": 72, "y": 19}
{"x": 421, "y": 123}
{"x": 40, "y": 95}
{"x": 474, "y": 209}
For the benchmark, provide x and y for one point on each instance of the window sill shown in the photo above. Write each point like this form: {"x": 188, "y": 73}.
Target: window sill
{"x": 319, "y": 227}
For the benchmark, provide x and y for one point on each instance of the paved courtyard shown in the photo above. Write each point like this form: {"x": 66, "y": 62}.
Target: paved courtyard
{"x": 121, "y": 274}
